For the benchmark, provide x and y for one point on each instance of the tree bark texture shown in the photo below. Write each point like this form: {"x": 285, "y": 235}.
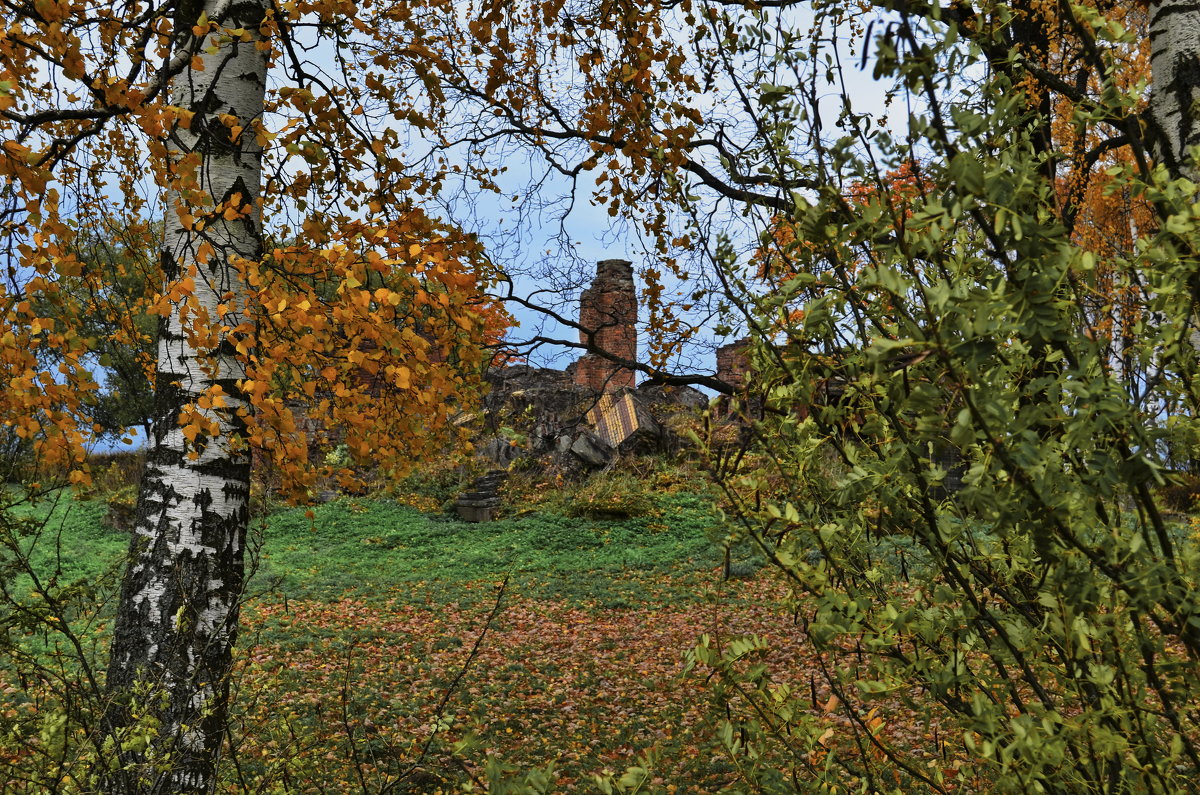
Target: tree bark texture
{"x": 1175, "y": 91}
{"x": 1175, "y": 81}
{"x": 178, "y": 613}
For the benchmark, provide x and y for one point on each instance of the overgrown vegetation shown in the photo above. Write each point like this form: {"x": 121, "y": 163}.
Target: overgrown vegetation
{"x": 366, "y": 612}
{"x": 950, "y": 315}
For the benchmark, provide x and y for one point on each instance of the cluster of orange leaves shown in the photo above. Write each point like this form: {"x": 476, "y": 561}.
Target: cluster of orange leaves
{"x": 365, "y": 322}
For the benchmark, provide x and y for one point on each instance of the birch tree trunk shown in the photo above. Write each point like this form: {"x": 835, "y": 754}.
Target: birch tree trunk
{"x": 178, "y": 614}
{"x": 1175, "y": 92}
{"x": 1175, "y": 81}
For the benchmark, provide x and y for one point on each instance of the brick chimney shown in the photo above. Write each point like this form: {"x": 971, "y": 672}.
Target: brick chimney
{"x": 608, "y": 309}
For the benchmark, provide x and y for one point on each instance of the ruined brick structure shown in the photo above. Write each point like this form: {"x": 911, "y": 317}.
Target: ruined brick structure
{"x": 733, "y": 367}
{"x": 608, "y": 309}
{"x": 733, "y": 363}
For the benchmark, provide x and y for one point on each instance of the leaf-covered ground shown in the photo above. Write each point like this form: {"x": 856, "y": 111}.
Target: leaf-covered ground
{"x": 377, "y": 653}
{"x": 588, "y": 689}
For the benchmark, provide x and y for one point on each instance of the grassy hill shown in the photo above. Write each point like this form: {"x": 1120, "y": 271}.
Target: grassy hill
{"x": 375, "y": 654}
{"x": 368, "y": 546}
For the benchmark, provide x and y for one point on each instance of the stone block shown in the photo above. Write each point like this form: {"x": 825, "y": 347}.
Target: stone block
{"x": 592, "y": 450}
{"x": 624, "y": 419}
{"x": 476, "y": 513}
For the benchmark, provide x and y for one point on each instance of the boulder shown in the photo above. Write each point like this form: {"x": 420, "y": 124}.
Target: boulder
{"x": 499, "y": 450}
{"x": 591, "y": 449}
{"x": 682, "y": 397}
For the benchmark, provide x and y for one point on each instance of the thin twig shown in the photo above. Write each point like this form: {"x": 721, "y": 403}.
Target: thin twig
{"x": 451, "y": 689}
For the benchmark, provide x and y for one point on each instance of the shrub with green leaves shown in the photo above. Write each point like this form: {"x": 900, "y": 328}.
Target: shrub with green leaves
{"x": 988, "y": 551}
{"x": 51, "y": 652}
{"x": 611, "y": 495}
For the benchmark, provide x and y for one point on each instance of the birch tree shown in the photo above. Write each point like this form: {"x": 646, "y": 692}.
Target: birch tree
{"x": 1175, "y": 88}
{"x": 361, "y": 321}
{"x": 178, "y": 614}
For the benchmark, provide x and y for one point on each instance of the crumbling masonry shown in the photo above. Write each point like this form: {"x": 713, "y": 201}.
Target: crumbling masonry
{"x": 608, "y": 314}
{"x": 733, "y": 363}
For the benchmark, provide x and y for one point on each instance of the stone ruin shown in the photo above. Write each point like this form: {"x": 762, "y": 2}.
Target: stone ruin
{"x": 608, "y": 315}
{"x": 581, "y": 418}
{"x": 733, "y": 367}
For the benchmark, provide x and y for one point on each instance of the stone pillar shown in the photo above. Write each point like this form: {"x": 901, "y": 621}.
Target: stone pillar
{"x": 608, "y": 309}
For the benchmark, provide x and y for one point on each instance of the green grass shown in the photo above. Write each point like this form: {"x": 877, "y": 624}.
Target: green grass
{"x": 70, "y": 542}
{"x": 369, "y": 547}
{"x": 366, "y": 546}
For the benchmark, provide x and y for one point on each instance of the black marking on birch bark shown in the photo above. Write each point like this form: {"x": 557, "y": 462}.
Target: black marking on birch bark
{"x": 247, "y": 14}
{"x": 169, "y": 265}
{"x": 212, "y": 137}
{"x": 232, "y": 491}
{"x": 158, "y": 492}
{"x": 1184, "y": 86}
{"x": 130, "y": 638}
{"x": 1169, "y": 10}
{"x": 204, "y": 104}
{"x": 228, "y": 468}
{"x": 169, "y": 398}
{"x": 230, "y": 385}
{"x": 187, "y": 14}
{"x": 165, "y": 333}
{"x": 226, "y": 348}
{"x": 239, "y": 187}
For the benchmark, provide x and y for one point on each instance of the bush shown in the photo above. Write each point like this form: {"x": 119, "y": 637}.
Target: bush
{"x": 115, "y": 479}
{"x": 1037, "y": 614}
{"x": 1181, "y": 494}
{"x": 611, "y": 495}
{"x": 113, "y": 472}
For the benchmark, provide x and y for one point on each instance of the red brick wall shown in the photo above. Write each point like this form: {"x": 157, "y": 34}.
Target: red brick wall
{"x": 608, "y": 309}
{"x": 733, "y": 367}
{"x": 733, "y": 363}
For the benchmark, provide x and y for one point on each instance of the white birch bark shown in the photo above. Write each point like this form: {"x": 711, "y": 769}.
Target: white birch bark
{"x": 1175, "y": 91}
{"x": 178, "y": 615}
{"x": 1175, "y": 81}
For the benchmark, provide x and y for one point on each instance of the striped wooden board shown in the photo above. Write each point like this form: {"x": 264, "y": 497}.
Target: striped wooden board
{"x": 615, "y": 418}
